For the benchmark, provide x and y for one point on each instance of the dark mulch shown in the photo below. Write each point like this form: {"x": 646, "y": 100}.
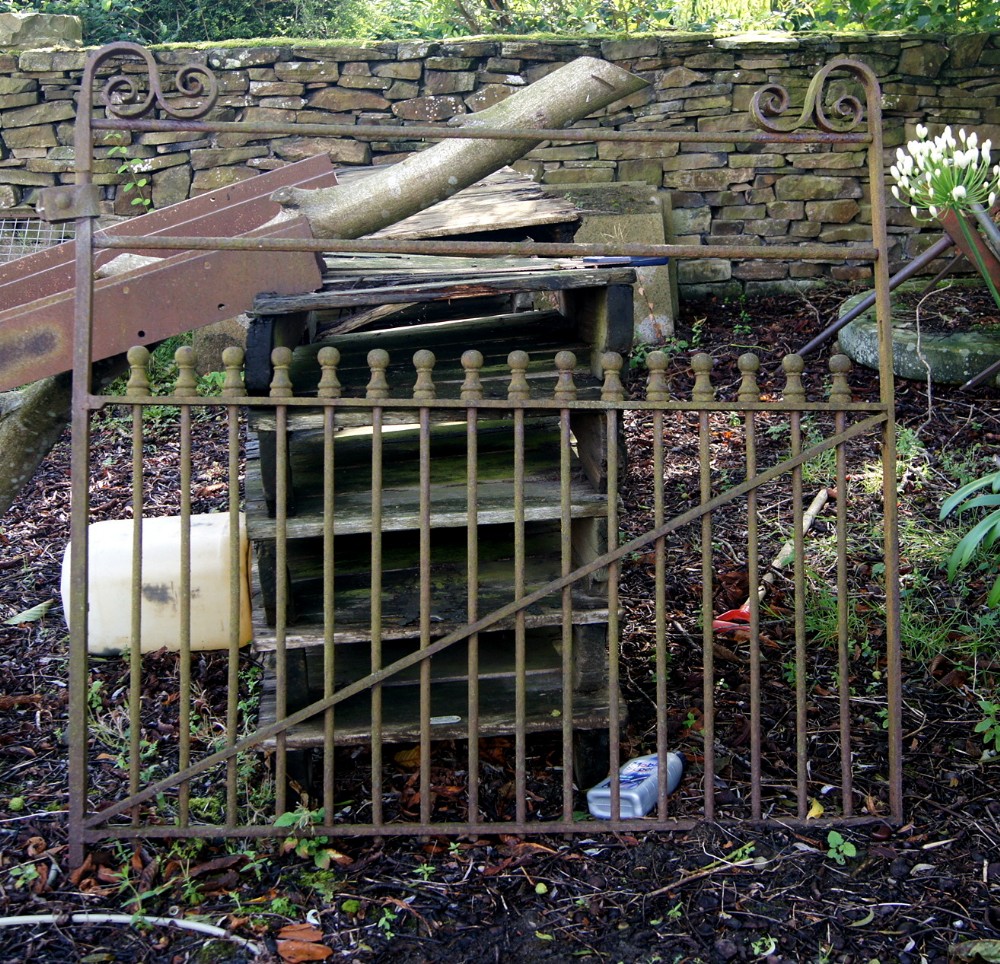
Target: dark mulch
{"x": 720, "y": 893}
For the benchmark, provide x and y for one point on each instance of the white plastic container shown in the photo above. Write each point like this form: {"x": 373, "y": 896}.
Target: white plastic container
{"x": 637, "y": 786}
{"x": 110, "y": 577}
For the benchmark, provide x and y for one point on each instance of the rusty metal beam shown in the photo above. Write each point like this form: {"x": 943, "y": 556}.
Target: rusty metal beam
{"x": 148, "y": 304}
{"x": 230, "y": 211}
{"x": 181, "y": 292}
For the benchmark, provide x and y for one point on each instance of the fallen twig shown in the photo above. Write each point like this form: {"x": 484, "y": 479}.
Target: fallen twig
{"x": 30, "y": 920}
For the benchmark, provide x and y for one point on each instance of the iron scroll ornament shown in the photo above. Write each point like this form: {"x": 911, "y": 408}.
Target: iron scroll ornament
{"x": 770, "y": 102}
{"x": 123, "y": 98}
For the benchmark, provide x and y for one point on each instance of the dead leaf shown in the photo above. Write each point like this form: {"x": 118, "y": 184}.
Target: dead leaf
{"x": 35, "y": 846}
{"x": 408, "y": 758}
{"x": 295, "y": 951}
{"x": 987, "y": 951}
{"x": 80, "y": 872}
{"x": 300, "y": 932}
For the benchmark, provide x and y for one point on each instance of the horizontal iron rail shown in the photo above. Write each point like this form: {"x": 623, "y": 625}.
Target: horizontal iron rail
{"x": 528, "y": 249}
{"x": 504, "y": 404}
{"x": 473, "y": 829}
{"x": 474, "y": 131}
{"x": 379, "y": 676}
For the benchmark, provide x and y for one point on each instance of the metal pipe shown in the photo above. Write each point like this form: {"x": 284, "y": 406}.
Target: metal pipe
{"x": 921, "y": 261}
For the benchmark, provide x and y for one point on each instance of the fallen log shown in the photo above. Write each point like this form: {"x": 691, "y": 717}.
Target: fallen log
{"x": 568, "y": 94}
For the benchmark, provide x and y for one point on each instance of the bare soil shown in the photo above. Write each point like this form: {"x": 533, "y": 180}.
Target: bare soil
{"x": 908, "y": 894}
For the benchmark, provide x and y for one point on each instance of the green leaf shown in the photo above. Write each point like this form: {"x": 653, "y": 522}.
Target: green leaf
{"x": 287, "y": 819}
{"x": 966, "y": 490}
{"x": 30, "y": 615}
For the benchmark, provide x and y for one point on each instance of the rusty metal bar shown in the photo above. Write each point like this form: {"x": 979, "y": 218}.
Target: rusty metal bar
{"x": 792, "y": 365}
{"x": 80, "y": 473}
{"x": 519, "y": 604}
{"x": 701, "y": 364}
{"x": 232, "y": 359}
{"x": 839, "y": 365}
{"x": 423, "y": 360}
{"x": 328, "y": 358}
{"x": 465, "y": 829}
{"x": 749, "y": 364}
{"x": 185, "y": 384}
{"x": 471, "y": 392}
{"x": 612, "y": 392}
{"x": 890, "y": 501}
{"x": 657, "y": 391}
{"x": 135, "y": 643}
{"x": 426, "y": 131}
{"x": 563, "y": 393}
{"x": 518, "y": 360}
{"x": 378, "y": 390}
{"x": 527, "y": 249}
{"x": 281, "y": 389}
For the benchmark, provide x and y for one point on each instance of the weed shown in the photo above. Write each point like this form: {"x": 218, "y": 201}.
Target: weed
{"x": 989, "y": 725}
{"x": 764, "y": 946}
{"x": 24, "y": 876}
{"x": 139, "y": 184}
{"x": 424, "y": 871}
{"x": 284, "y": 907}
{"x": 980, "y": 540}
{"x": 303, "y": 842}
{"x": 386, "y": 922}
{"x": 839, "y": 848}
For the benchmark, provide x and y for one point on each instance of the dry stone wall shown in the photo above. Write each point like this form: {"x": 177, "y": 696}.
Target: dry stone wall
{"x": 725, "y": 194}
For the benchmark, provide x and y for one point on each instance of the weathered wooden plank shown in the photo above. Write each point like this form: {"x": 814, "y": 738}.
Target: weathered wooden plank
{"x": 503, "y": 200}
{"x": 401, "y": 507}
{"x": 447, "y": 289}
{"x": 401, "y": 451}
{"x": 449, "y": 713}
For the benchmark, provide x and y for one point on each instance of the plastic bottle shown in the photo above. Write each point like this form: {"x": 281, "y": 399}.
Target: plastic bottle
{"x": 637, "y": 781}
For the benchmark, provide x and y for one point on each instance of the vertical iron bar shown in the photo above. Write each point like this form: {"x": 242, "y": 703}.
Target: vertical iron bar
{"x": 612, "y": 392}
{"x": 184, "y": 656}
{"x": 793, "y": 393}
{"x": 702, "y": 364}
{"x": 83, "y": 309}
{"x": 281, "y": 388}
{"x": 425, "y": 614}
{"x": 566, "y": 552}
{"x": 472, "y": 391}
{"x": 753, "y": 581}
{"x": 329, "y": 387}
{"x": 657, "y": 391}
{"x": 378, "y": 361}
{"x": 840, "y": 394}
{"x": 520, "y": 645}
{"x": 890, "y": 503}
{"x": 749, "y": 365}
{"x": 566, "y": 546}
{"x": 232, "y": 358}
{"x": 135, "y": 643}
{"x": 329, "y": 609}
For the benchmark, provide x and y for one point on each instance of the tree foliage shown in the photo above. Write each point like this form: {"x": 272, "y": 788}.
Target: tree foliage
{"x": 164, "y": 21}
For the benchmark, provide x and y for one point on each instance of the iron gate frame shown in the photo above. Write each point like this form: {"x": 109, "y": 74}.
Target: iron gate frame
{"x": 125, "y": 109}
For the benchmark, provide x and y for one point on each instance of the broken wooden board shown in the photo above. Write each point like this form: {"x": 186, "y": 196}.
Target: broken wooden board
{"x": 503, "y": 201}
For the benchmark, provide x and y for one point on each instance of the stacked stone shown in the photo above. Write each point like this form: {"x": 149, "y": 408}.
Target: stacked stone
{"x": 722, "y": 193}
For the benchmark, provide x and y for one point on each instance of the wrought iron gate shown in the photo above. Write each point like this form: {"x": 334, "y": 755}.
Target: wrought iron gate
{"x": 163, "y": 807}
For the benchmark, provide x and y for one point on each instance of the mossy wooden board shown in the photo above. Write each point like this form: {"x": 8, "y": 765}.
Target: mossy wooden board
{"x": 449, "y": 713}
{"x": 400, "y": 585}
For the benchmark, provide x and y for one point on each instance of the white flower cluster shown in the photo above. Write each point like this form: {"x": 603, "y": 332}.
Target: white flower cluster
{"x": 944, "y": 174}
